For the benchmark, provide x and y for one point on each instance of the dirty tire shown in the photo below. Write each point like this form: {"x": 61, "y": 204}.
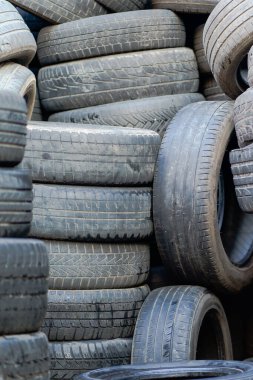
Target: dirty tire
{"x": 212, "y": 90}
{"x": 181, "y": 323}
{"x": 19, "y": 79}
{"x": 19, "y": 353}
{"x": 198, "y": 48}
{"x": 16, "y": 41}
{"x": 12, "y": 128}
{"x": 201, "y": 248}
{"x": 88, "y": 266}
{"x": 186, "y": 6}
{"x": 243, "y": 118}
{"x": 72, "y": 358}
{"x": 55, "y": 12}
{"x": 158, "y": 277}
{"x": 150, "y": 113}
{"x": 37, "y": 111}
{"x": 90, "y": 155}
{"x": 16, "y": 202}
{"x": 91, "y": 213}
{"x": 124, "y": 5}
{"x": 120, "y": 77}
{"x": 110, "y": 34}
{"x": 228, "y": 37}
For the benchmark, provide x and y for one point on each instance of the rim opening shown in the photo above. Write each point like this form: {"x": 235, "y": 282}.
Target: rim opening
{"x": 242, "y": 74}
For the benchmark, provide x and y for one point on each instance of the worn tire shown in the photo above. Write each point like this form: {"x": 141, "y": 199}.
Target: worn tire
{"x": 72, "y": 358}
{"x": 56, "y": 12}
{"x": 228, "y": 37}
{"x": 150, "y": 113}
{"x": 110, "y": 34}
{"x": 20, "y": 80}
{"x": 250, "y": 68}
{"x": 212, "y": 90}
{"x": 24, "y": 357}
{"x": 90, "y": 155}
{"x": 243, "y": 118}
{"x": 198, "y": 48}
{"x": 186, "y": 6}
{"x": 120, "y": 77}
{"x": 123, "y": 5}
{"x": 197, "y": 245}
{"x": 37, "y": 111}
{"x": 181, "y": 323}
{"x": 84, "y": 266}
{"x": 91, "y": 213}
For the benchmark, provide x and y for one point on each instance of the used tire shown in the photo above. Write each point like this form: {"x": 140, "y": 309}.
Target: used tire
{"x": 198, "y": 223}
{"x": 85, "y": 266}
{"x": 19, "y": 353}
{"x": 12, "y": 128}
{"x": 23, "y": 285}
{"x": 181, "y": 323}
{"x": 16, "y": 202}
{"x": 37, "y": 111}
{"x": 91, "y": 213}
{"x": 72, "y": 358}
{"x": 78, "y": 154}
{"x": 124, "y": 5}
{"x": 186, "y": 6}
{"x": 228, "y": 37}
{"x": 150, "y": 113}
{"x": 110, "y": 34}
{"x": 243, "y": 118}
{"x": 120, "y": 77}
{"x": 158, "y": 277}
{"x": 250, "y": 68}
{"x": 198, "y": 48}
{"x": 212, "y": 90}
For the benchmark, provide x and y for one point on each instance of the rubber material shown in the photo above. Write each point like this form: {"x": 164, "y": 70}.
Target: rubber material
{"x": 37, "y": 111}
{"x": 124, "y": 5}
{"x": 212, "y": 90}
{"x": 198, "y": 48}
{"x": 186, "y": 6}
{"x": 158, "y": 277}
{"x": 243, "y": 118}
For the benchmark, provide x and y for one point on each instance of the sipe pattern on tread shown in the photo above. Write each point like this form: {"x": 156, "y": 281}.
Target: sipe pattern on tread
{"x": 124, "y": 5}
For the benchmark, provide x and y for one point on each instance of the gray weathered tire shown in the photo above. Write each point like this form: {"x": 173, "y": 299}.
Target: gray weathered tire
{"x": 110, "y": 34}
{"x": 76, "y": 315}
{"x": 37, "y": 111}
{"x": 120, "y": 77}
{"x": 150, "y": 113}
{"x": 124, "y": 5}
{"x": 16, "y": 41}
{"x": 23, "y": 285}
{"x": 228, "y": 37}
{"x": 84, "y": 266}
{"x": 199, "y": 225}
{"x": 250, "y": 67}
{"x": 16, "y": 202}
{"x": 186, "y": 6}
{"x": 212, "y": 90}
{"x": 243, "y": 118}
{"x": 198, "y": 48}
{"x": 20, "y": 80}
{"x": 181, "y": 323}
{"x": 24, "y": 357}
{"x": 90, "y": 155}
{"x": 72, "y": 358}
{"x": 91, "y": 213}
{"x": 56, "y": 12}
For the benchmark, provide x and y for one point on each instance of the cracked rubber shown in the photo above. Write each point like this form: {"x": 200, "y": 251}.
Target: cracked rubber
{"x": 186, "y": 6}
{"x": 243, "y": 118}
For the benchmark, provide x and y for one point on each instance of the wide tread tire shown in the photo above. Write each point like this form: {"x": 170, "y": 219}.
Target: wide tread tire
{"x": 212, "y": 90}
{"x": 117, "y": 78}
{"x": 243, "y": 118}
{"x": 199, "y": 50}
{"x": 91, "y": 213}
{"x": 124, "y": 5}
{"x": 186, "y": 6}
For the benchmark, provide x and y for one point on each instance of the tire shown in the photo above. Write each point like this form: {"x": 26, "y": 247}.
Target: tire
{"x": 37, "y": 111}
{"x": 90, "y": 155}
{"x": 242, "y": 168}
{"x": 76, "y": 315}
{"x": 228, "y": 37}
{"x": 23, "y": 285}
{"x": 83, "y": 266}
{"x": 34, "y": 23}
{"x": 56, "y": 13}
{"x": 243, "y": 118}
{"x": 198, "y": 48}
{"x": 16, "y": 41}
{"x": 200, "y": 213}
{"x": 20, "y": 80}
{"x": 158, "y": 277}
{"x": 150, "y": 113}
{"x": 186, "y": 6}
{"x": 212, "y": 90}
{"x": 120, "y": 77}
{"x": 91, "y": 213}
{"x": 16, "y": 202}
{"x": 250, "y": 68}
{"x": 72, "y": 358}
{"x": 19, "y": 353}
{"x": 181, "y": 323}
{"x": 110, "y": 34}
{"x": 124, "y": 5}
{"x": 12, "y": 128}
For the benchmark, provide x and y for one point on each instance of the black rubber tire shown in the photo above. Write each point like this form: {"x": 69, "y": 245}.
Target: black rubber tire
{"x": 24, "y": 357}
{"x": 124, "y": 5}
{"x": 91, "y": 213}
{"x": 16, "y": 202}
{"x": 186, "y": 6}
{"x": 120, "y": 77}
{"x": 242, "y": 168}
{"x": 192, "y": 243}
{"x": 57, "y": 12}
{"x": 90, "y": 155}
{"x": 212, "y": 90}
{"x": 83, "y": 266}
{"x": 198, "y": 48}
{"x": 37, "y": 111}
{"x": 16, "y": 41}
{"x": 76, "y": 315}
{"x": 72, "y": 358}
{"x": 243, "y": 118}
{"x": 23, "y": 285}
{"x": 150, "y": 113}
{"x": 110, "y": 34}
{"x": 181, "y": 323}
{"x": 158, "y": 277}
{"x": 12, "y": 128}
{"x": 227, "y": 37}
